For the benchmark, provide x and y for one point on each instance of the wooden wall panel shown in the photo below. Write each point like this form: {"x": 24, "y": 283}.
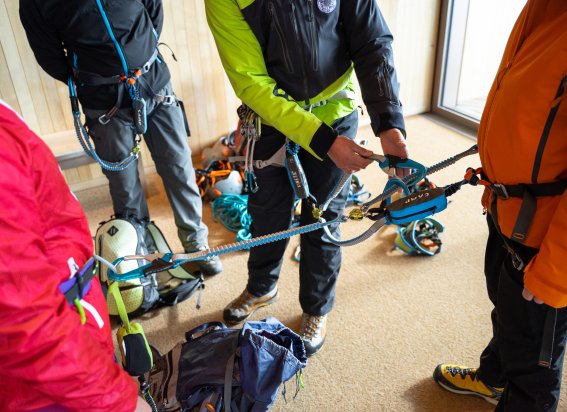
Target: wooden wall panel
{"x": 197, "y": 76}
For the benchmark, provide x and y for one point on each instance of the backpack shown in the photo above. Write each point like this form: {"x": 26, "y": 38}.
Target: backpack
{"x": 122, "y": 236}
{"x": 215, "y": 364}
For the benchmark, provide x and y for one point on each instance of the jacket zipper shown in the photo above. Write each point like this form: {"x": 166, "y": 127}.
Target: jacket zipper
{"x": 278, "y": 28}
{"x": 384, "y": 80}
{"x": 547, "y": 128}
{"x": 301, "y": 57}
{"x": 488, "y": 105}
{"x": 314, "y": 50}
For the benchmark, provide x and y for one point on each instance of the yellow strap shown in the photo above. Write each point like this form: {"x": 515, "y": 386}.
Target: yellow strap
{"x": 115, "y": 292}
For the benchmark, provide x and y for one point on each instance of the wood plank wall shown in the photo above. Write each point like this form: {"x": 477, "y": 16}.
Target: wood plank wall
{"x": 198, "y": 77}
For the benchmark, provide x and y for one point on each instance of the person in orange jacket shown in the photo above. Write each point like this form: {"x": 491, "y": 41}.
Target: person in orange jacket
{"x": 522, "y": 143}
{"x": 52, "y": 358}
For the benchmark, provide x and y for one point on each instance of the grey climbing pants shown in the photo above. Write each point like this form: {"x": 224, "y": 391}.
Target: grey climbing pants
{"x": 167, "y": 141}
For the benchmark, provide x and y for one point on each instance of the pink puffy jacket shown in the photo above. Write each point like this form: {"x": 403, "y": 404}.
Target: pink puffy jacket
{"x": 47, "y": 357}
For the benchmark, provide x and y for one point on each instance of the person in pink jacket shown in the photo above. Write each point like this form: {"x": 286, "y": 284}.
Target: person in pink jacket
{"x": 56, "y": 353}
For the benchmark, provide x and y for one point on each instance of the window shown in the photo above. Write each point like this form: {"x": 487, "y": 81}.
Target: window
{"x": 472, "y": 39}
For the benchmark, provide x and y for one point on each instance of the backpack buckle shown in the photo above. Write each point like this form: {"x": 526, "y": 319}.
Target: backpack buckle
{"x": 500, "y": 191}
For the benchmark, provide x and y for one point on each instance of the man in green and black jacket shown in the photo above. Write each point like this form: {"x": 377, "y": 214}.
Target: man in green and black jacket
{"x": 292, "y": 62}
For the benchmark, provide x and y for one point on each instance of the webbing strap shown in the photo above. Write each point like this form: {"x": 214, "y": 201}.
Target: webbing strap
{"x": 528, "y": 194}
{"x": 525, "y": 217}
{"x": 94, "y": 79}
{"x": 228, "y": 382}
{"x": 548, "y": 338}
{"x": 340, "y": 95}
{"x": 115, "y": 292}
{"x": 77, "y": 286}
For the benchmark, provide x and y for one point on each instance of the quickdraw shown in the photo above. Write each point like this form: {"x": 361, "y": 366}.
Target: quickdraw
{"x": 404, "y": 210}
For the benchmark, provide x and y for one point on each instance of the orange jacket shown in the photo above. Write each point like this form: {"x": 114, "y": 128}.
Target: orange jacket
{"x": 521, "y": 142}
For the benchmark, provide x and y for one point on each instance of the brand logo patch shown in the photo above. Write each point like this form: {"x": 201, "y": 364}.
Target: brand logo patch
{"x": 327, "y": 6}
{"x": 112, "y": 231}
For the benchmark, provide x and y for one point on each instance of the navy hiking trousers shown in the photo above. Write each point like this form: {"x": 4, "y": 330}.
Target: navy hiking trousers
{"x": 272, "y": 208}
{"x": 511, "y": 357}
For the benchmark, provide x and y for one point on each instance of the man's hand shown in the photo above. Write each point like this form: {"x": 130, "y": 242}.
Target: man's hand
{"x": 527, "y": 295}
{"x": 348, "y": 156}
{"x": 393, "y": 143}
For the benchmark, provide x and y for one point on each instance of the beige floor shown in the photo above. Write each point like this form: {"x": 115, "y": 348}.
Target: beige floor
{"x": 396, "y": 317}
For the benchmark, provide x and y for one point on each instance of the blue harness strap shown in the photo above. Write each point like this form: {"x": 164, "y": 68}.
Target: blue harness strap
{"x": 79, "y": 285}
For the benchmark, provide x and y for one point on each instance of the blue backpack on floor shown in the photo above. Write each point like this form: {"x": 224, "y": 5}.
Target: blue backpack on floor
{"x": 220, "y": 369}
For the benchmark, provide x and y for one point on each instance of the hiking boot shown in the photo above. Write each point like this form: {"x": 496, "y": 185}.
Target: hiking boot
{"x": 246, "y": 304}
{"x": 208, "y": 267}
{"x": 465, "y": 381}
{"x": 313, "y": 332}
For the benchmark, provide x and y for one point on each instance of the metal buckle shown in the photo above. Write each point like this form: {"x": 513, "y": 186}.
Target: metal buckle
{"x": 167, "y": 100}
{"x": 517, "y": 261}
{"x": 104, "y": 119}
{"x": 500, "y": 190}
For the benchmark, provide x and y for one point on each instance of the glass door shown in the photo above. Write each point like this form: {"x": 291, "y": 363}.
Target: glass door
{"x": 473, "y": 36}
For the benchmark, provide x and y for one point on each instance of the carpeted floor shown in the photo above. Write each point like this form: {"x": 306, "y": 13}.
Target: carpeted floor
{"x": 395, "y": 318}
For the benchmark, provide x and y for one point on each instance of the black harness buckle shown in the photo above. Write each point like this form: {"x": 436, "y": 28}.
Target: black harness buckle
{"x": 500, "y": 191}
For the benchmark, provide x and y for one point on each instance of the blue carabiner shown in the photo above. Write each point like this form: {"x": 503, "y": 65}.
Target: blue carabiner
{"x": 137, "y": 273}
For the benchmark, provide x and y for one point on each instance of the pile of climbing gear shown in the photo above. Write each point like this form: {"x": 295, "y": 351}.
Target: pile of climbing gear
{"x": 422, "y": 236}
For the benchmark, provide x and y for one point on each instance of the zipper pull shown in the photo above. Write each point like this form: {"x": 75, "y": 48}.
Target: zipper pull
{"x": 309, "y": 10}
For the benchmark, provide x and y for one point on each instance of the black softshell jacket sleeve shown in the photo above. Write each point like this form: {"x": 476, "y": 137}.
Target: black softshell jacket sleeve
{"x": 370, "y": 44}
{"x": 44, "y": 41}
{"x": 155, "y": 11}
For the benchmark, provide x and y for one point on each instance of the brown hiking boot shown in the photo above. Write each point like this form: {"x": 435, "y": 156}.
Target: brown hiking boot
{"x": 246, "y": 304}
{"x": 313, "y": 332}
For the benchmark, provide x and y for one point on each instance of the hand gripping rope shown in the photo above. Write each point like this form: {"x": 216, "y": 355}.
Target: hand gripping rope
{"x": 404, "y": 210}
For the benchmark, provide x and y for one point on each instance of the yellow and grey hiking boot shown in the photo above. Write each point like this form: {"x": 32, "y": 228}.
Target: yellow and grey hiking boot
{"x": 313, "y": 332}
{"x": 465, "y": 381}
{"x": 246, "y": 304}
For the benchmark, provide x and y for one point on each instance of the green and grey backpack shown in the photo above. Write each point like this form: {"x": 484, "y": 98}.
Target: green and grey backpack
{"x": 119, "y": 237}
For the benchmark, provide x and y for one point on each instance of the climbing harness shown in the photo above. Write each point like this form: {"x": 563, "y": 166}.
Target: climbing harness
{"x": 128, "y": 81}
{"x": 527, "y": 192}
{"x": 420, "y": 237}
{"x": 404, "y": 210}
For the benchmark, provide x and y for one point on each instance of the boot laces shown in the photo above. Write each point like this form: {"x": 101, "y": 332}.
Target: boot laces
{"x": 311, "y": 326}
{"x": 463, "y": 372}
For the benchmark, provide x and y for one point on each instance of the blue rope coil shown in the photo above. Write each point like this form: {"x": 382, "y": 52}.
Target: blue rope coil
{"x": 232, "y": 212}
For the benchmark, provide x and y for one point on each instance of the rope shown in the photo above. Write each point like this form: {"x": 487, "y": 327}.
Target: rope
{"x": 84, "y": 140}
{"x": 232, "y": 212}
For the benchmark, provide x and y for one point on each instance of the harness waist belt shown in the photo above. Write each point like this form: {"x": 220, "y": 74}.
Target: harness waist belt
{"x": 94, "y": 79}
{"x": 535, "y": 189}
{"x": 78, "y": 286}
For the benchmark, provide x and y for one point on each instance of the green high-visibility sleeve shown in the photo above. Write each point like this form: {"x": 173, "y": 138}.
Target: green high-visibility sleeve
{"x": 242, "y": 59}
